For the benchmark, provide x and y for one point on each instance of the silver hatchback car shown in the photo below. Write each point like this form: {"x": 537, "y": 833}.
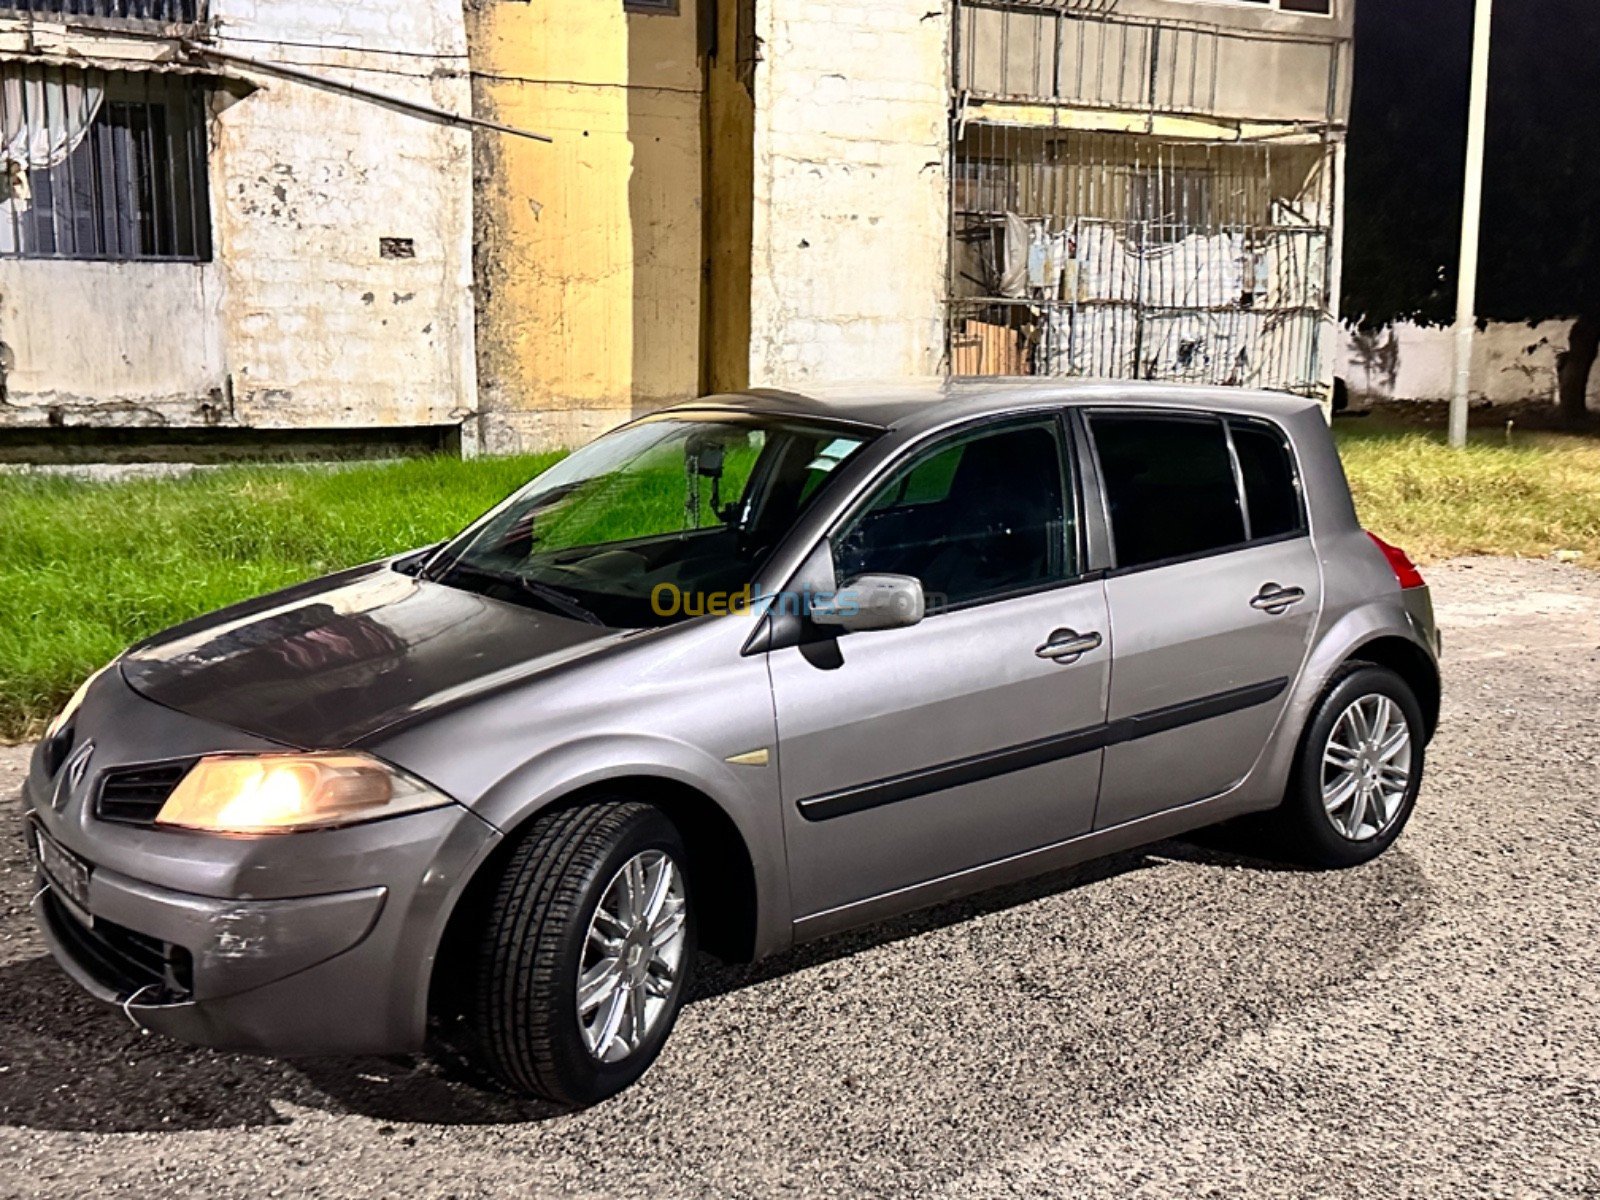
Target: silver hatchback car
{"x": 748, "y": 671}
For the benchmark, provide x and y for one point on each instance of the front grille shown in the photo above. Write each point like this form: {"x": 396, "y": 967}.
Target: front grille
{"x": 121, "y": 959}
{"x": 134, "y": 795}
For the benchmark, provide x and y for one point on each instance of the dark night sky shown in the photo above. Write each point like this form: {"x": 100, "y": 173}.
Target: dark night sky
{"x": 1541, "y": 244}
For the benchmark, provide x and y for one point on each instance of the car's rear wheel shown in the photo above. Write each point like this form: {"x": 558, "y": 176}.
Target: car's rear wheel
{"x": 585, "y": 953}
{"x": 1357, "y": 773}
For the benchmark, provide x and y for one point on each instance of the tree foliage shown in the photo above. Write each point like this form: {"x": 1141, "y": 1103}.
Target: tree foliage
{"x": 1407, "y": 156}
{"x": 1541, "y": 244}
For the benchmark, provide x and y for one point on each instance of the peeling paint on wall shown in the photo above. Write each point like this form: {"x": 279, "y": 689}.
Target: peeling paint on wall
{"x": 589, "y": 251}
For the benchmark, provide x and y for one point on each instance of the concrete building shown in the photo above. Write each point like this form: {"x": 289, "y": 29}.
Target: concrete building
{"x": 769, "y": 192}
{"x": 193, "y": 247}
{"x": 1123, "y": 188}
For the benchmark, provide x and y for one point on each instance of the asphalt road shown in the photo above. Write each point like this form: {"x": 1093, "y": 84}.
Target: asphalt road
{"x": 1177, "y": 1022}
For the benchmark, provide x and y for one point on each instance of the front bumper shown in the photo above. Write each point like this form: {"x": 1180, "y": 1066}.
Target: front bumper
{"x": 308, "y": 943}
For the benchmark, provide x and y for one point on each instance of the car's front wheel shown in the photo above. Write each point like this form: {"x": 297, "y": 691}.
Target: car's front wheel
{"x": 584, "y": 954}
{"x": 1358, "y": 771}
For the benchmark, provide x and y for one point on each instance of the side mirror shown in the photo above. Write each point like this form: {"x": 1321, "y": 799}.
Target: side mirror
{"x": 872, "y": 602}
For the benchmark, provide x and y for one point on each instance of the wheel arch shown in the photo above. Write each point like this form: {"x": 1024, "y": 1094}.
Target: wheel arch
{"x": 720, "y": 864}
{"x": 1414, "y": 665}
{"x": 721, "y": 868}
{"x": 1377, "y": 633}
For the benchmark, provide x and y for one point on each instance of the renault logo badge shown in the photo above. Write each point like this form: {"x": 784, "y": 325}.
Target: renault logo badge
{"x": 72, "y": 777}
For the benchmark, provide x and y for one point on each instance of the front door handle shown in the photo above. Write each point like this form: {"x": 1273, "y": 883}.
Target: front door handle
{"x": 1277, "y": 600}
{"x": 1067, "y": 646}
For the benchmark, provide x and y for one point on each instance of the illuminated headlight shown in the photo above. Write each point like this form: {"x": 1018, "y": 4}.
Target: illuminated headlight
{"x": 67, "y": 713}
{"x": 280, "y": 793}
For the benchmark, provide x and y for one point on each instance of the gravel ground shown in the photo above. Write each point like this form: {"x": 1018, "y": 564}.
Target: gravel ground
{"x": 1176, "y": 1022}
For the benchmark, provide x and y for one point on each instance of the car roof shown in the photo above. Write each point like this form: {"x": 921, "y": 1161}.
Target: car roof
{"x": 917, "y": 404}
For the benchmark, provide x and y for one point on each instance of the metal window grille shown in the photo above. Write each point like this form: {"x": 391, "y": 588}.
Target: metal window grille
{"x": 106, "y": 165}
{"x": 1124, "y": 256}
{"x": 1171, "y": 204}
{"x": 1131, "y": 255}
{"x": 163, "y": 12}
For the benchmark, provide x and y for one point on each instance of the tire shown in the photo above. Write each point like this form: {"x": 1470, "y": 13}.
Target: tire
{"x": 1305, "y": 829}
{"x": 522, "y": 1009}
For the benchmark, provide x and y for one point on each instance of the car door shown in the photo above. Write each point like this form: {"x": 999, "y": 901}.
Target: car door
{"x": 911, "y": 754}
{"x": 1213, "y": 599}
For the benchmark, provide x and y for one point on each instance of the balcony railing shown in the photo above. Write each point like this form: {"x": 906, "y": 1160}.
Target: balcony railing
{"x": 1076, "y": 55}
{"x": 152, "y": 12}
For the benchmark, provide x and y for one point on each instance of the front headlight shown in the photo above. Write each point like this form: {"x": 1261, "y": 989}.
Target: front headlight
{"x": 66, "y": 714}
{"x": 279, "y": 793}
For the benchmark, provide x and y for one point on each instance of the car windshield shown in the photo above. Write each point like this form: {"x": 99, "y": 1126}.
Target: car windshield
{"x": 655, "y": 522}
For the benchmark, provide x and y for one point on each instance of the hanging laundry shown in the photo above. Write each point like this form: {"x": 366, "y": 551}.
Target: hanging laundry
{"x": 1014, "y": 275}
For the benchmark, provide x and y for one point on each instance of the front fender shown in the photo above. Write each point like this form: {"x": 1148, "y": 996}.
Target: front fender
{"x": 592, "y": 760}
{"x": 746, "y": 795}
{"x": 673, "y": 706}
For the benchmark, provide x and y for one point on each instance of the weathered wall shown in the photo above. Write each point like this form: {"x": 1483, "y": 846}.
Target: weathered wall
{"x": 850, "y": 216}
{"x": 322, "y": 329}
{"x": 589, "y": 251}
{"x": 1511, "y": 363}
{"x": 299, "y": 321}
{"x": 122, "y": 343}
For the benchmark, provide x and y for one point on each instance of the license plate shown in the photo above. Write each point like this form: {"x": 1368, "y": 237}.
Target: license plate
{"x": 64, "y": 871}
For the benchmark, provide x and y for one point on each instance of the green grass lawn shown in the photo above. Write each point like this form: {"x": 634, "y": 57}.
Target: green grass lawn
{"x": 1528, "y": 495}
{"x": 86, "y": 568}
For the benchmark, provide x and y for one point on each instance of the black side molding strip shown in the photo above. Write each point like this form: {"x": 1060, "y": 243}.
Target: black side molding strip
{"x": 994, "y": 763}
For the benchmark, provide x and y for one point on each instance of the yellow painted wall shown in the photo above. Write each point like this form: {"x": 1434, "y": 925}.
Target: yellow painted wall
{"x": 589, "y": 253}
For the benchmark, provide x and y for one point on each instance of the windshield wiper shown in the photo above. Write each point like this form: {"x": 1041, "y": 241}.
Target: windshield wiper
{"x": 548, "y": 596}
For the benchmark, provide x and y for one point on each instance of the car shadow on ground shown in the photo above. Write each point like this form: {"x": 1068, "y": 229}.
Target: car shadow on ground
{"x": 1222, "y": 846}
{"x": 718, "y": 979}
{"x": 68, "y": 1064}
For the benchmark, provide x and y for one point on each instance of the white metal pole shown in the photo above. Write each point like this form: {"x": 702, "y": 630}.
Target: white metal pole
{"x": 1471, "y": 225}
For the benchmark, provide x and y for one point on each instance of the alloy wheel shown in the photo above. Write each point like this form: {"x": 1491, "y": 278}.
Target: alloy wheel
{"x": 1366, "y": 767}
{"x": 632, "y": 955}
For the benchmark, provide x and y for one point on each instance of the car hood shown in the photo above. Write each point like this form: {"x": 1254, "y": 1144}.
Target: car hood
{"x": 331, "y": 662}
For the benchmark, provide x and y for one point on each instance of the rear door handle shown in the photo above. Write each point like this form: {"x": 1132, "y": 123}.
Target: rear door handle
{"x": 1277, "y": 600}
{"x": 1067, "y": 646}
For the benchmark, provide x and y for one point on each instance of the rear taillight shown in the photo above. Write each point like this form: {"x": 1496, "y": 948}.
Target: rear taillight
{"x": 1405, "y": 571}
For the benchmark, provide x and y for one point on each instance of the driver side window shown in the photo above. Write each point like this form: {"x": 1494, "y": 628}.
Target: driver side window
{"x": 981, "y": 515}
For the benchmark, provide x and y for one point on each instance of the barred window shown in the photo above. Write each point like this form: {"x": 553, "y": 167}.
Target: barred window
{"x": 107, "y": 165}
{"x": 1171, "y": 204}
{"x": 164, "y": 12}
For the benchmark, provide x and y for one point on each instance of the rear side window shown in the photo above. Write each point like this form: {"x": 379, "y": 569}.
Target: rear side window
{"x": 1169, "y": 486}
{"x": 1270, "y": 488}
